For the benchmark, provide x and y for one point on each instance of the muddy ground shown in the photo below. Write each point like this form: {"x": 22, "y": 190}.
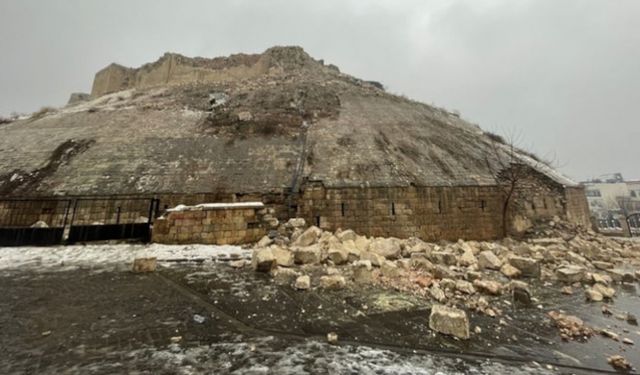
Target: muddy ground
{"x": 210, "y": 318}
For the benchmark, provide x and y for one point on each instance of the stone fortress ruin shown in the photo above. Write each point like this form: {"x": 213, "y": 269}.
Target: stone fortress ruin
{"x": 278, "y": 129}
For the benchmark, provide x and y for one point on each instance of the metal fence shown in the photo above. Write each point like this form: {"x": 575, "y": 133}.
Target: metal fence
{"x": 102, "y": 219}
{"x": 37, "y": 222}
{"x": 42, "y": 222}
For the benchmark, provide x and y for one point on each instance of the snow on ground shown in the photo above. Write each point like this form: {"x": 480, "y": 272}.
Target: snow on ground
{"x": 118, "y": 256}
{"x": 260, "y": 356}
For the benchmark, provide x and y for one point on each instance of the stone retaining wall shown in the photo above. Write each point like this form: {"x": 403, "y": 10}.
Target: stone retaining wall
{"x": 220, "y": 224}
{"x": 430, "y": 213}
{"x": 438, "y": 213}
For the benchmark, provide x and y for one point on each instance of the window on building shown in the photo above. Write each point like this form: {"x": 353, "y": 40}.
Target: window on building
{"x": 633, "y": 193}
{"x": 343, "y": 208}
{"x": 593, "y": 193}
{"x": 393, "y": 209}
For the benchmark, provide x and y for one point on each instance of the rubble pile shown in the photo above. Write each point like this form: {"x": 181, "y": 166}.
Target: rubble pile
{"x": 464, "y": 274}
{"x": 619, "y": 362}
{"x": 571, "y": 327}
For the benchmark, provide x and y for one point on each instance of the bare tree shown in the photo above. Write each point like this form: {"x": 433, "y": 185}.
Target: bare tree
{"x": 510, "y": 166}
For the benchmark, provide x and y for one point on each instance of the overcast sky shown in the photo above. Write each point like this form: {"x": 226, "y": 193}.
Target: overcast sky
{"x": 562, "y": 75}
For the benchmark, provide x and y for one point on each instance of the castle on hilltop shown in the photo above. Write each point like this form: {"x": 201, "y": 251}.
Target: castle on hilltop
{"x": 287, "y": 134}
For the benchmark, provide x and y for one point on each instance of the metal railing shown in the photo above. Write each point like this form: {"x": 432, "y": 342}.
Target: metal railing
{"x": 42, "y": 222}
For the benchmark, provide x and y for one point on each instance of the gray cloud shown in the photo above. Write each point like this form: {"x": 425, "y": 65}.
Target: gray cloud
{"x": 564, "y": 76}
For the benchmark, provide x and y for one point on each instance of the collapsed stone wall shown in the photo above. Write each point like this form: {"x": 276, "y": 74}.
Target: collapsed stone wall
{"x": 577, "y": 207}
{"x": 538, "y": 198}
{"x": 220, "y": 225}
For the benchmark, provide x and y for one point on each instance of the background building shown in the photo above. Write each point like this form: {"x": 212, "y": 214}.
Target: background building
{"x": 612, "y": 200}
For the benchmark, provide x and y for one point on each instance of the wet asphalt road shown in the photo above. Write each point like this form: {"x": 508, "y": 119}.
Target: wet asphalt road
{"x": 117, "y": 322}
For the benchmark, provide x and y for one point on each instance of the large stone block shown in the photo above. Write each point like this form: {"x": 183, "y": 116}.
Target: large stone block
{"x": 263, "y": 260}
{"x": 284, "y": 257}
{"x": 529, "y": 267}
{"x": 487, "y": 259}
{"x": 386, "y": 247}
{"x": 333, "y": 282}
{"x": 308, "y": 255}
{"x": 142, "y": 265}
{"x": 570, "y": 273}
{"x": 308, "y": 237}
{"x": 449, "y": 321}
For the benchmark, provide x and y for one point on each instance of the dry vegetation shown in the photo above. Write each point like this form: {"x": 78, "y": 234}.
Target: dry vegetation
{"x": 42, "y": 112}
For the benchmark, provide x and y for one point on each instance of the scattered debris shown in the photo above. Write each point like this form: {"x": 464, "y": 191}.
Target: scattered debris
{"x": 619, "y": 362}
{"x": 263, "y": 260}
{"x": 570, "y": 326}
{"x": 510, "y": 271}
{"x": 362, "y": 272}
{"x": 487, "y": 259}
{"x": 333, "y": 282}
{"x": 303, "y": 282}
{"x": 570, "y": 274}
{"x": 528, "y": 266}
{"x": 610, "y": 334}
{"x": 308, "y": 237}
{"x": 332, "y": 338}
{"x": 142, "y": 265}
{"x": 593, "y": 295}
{"x": 238, "y": 263}
{"x": 521, "y": 294}
{"x": 471, "y": 275}
{"x": 283, "y": 257}
{"x": 465, "y": 287}
{"x": 39, "y": 224}
{"x": 198, "y": 318}
{"x": 449, "y": 321}
{"x": 489, "y": 287}
{"x": 605, "y": 291}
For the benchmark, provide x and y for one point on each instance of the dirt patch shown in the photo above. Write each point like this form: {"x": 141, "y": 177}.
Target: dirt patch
{"x": 382, "y": 142}
{"x": 19, "y": 181}
{"x": 410, "y": 151}
{"x": 346, "y": 141}
{"x": 277, "y": 110}
{"x": 42, "y": 112}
